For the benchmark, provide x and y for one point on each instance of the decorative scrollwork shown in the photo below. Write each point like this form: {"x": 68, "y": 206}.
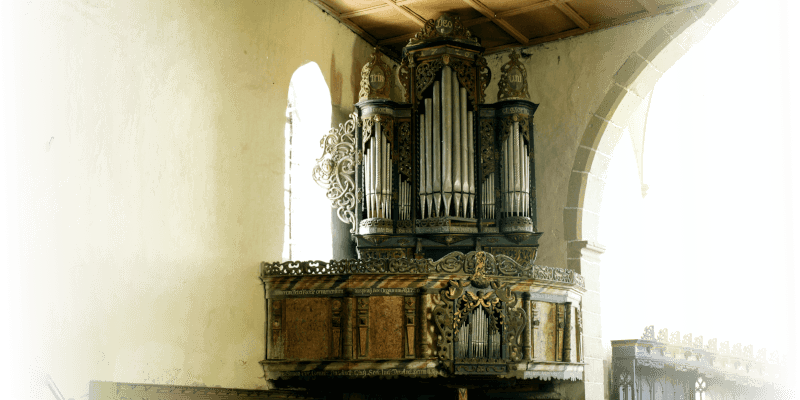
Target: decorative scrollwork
{"x": 404, "y": 75}
{"x": 513, "y": 82}
{"x": 508, "y": 120}
{"x": 453, "y": 263}
{"x": 465, "y": 72}
{"x": 404, "y": 149}
{"x": 375, "y": 78}
{"x": 484, "y": 77}
{"x": 455, "y": 307}
{"x": 426, "y": 72}
{"x": 335, "y": 170}
{"x": 448, "y": 26}
{"x": 488, "y": 154}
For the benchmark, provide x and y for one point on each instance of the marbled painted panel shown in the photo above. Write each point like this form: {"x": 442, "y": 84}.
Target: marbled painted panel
{"x": 386, "y": 320}
{"x": 545, "y": 340}
{"x": 307, "y": 328}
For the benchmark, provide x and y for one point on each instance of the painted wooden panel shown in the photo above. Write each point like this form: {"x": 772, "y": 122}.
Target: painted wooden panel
{"x": 307, "y": 328}
{"x": 386, "y": 317}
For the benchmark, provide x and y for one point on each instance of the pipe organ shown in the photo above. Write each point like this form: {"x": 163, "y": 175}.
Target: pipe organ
{"x": 441, "y": 170}
{"x": 439, "y": 188}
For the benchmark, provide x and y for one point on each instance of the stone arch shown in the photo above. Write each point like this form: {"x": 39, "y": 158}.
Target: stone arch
{"x": 632, "y": 83}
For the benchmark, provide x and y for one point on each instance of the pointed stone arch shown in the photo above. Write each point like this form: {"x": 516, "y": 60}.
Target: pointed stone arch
{"x": 632, "y": 83}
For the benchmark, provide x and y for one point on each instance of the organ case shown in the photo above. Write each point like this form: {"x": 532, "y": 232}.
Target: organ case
{"x": 442, "y": 170}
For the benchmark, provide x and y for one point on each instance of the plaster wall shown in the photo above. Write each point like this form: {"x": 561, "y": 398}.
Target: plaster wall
{"x": 149, "y": 173}
{"x": 148, "y": 168}
{"x": 569, "y": 79}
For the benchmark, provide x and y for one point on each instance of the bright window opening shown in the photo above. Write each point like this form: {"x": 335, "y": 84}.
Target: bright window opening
{"x": 307, "y": 212}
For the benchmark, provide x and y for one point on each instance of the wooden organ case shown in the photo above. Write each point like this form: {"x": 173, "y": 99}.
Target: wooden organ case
{"x": 439, "y": 189}
{"x": 444, "y": 171}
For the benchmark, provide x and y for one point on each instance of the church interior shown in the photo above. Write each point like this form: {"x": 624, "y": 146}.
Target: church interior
{"x": 166, "y": 250}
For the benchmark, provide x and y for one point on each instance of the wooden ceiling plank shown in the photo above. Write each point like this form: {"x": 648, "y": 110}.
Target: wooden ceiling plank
{"x": 476, "y": 4}
{"x": 571, "y": 14}
{"x": 374, "y": 9}
{"x": 530, "y": 7}
{"x": 595, "y": 27}
{"x": 353, "y": 27}
{"x": 397, "y": 39}
{"x": 650, "y": 5}
{"x": 408, "y": 13}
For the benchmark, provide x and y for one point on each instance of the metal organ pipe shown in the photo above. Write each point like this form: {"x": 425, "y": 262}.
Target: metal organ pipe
{"x": 464, "y": 151}
{"x": 455, "y": 146}
{"x": 423, "y": 154}
{"x": 437, "y": 147}
{"x": 470, "y": 166}
{"x": 428, "y": 139}
{"x": 517, "y": 163}
{"x": 447, "y": 133}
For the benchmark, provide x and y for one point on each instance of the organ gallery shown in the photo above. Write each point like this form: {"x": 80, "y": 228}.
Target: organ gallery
{"x": 439, "y": 190}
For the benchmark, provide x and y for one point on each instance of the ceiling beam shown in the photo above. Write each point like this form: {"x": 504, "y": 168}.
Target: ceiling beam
{"x": 476, "y": 4}
{"x": 374, "y": 9}
{"x": 530, "y": 7}
{"x": 571, "y": 14}
{"x": 408, "y": 13}
{"x": 353, "y": 27}
{"x": 650, "y": 5}
{"x": 595, "y": 27}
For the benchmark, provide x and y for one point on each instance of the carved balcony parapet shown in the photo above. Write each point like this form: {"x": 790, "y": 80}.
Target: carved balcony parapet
{"x": 669, "y": 353}
{"x": 453, "y": 263}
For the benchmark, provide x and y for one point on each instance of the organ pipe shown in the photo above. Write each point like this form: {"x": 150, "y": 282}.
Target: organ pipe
{"x": 464, "y": 150}
{"x": 456, "y": 144}
{"x": 437, "y": 147}
{"x": 447, "y": 133}
{"x": 428, "y": 139}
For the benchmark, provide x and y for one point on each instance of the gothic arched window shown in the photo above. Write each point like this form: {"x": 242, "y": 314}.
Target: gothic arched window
{"x": 307, "y": 213}
{"x": 700, "y": 389}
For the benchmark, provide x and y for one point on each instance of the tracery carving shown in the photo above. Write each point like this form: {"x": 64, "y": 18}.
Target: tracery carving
{"x": 508, "y": 121}
{"x": 484, "y": 77}
{"x": 335, "y": 170}
{"x": 404, "y": 75}
{"x": 425, "y": 73}
{"x": 513, "y": 82}
{"x": 404, "y": 148}
{"x": 466, "y": 76}
{"x": 456, "y": 303}
{"x": 489, "y": 155}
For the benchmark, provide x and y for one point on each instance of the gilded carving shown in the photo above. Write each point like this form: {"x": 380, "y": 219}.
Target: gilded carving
{"x": 466, "y": 76}
{"x": 520, "y": 255}
{"x": 448, "y": 26}
{"x": 513, "y": 82}
{"x": 425, "y": 73}
{"x": 489, "y": 155}
{"x": 376, "y": 79}
{"x": 403, "y": 74}
{"x": 455, "y": 262}
{"x": 404, "y": 149}
{"x": 335, "y": 170}
{"x": 484, "y": 77}
{"x": 507, "y": 123}
{"x": 456, "y": 311}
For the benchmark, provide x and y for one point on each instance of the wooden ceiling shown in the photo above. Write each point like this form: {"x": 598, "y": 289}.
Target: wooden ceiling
{"x": 500, "y": 24}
